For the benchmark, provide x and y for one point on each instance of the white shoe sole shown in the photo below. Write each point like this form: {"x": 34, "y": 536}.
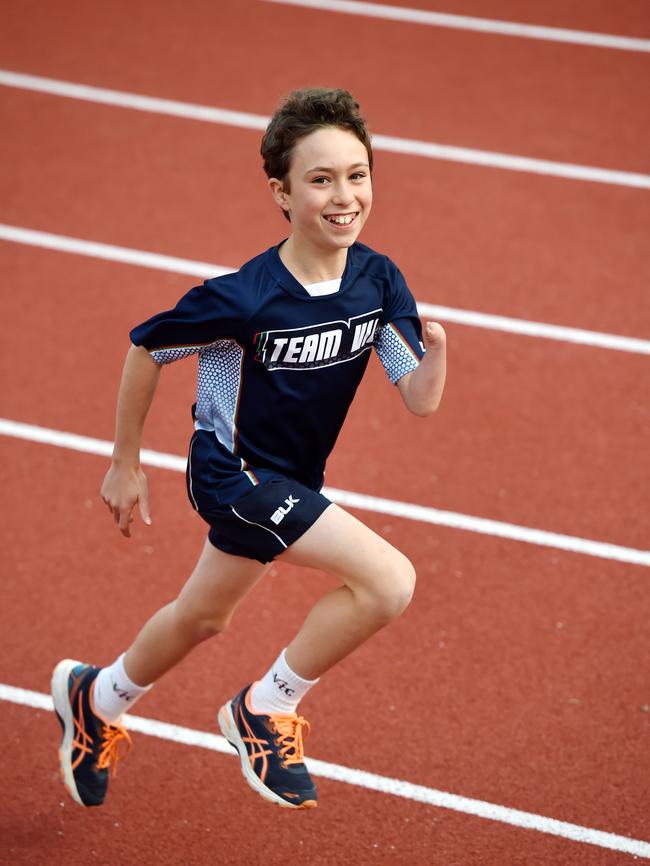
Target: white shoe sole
{"x": 231, "y": 732}
{"x": 61, "y": 699}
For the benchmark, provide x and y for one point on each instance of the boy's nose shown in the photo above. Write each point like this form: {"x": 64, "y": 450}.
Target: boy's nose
{"x": 342, "y": 194}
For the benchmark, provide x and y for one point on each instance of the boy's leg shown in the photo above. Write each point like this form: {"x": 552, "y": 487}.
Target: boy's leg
{"x": 92, "y": 735}
{"x": 261, "y": 721}
{"x": 378, "y": 582}
{"x": 203, "y": 608}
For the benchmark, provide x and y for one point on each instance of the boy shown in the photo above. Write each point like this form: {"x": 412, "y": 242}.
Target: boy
{"x": 282, "y": 347}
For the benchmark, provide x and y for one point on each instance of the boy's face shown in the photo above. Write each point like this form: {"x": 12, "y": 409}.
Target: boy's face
{"x": 330, "y": 189}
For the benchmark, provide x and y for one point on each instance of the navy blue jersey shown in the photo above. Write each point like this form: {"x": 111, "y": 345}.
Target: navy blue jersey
{"x": 277, "y": 368}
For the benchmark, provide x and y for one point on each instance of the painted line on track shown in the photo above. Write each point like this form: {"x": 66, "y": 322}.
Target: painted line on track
{"x": 361, "y": 501}
{"x": 370, "y": 781}
{"x": 479, "y": 25}
{"x": 410, "y": 147}
{"x": 111, "y": 253}
{"x": 202, "y": 270}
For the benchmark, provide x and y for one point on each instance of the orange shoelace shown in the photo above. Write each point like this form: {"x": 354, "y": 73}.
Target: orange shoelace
{"x": 116, "y": 745}
{"x": 290, "y": 737}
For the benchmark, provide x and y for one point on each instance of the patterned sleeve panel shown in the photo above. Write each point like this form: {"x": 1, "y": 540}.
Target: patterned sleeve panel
{"x": 166, "y": 356}
{"x": 395, "y": 352}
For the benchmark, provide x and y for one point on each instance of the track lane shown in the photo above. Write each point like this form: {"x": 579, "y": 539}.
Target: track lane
{"x": 198, "y": 270}
{"x": 502, "y": 446}
{"x": 212, "y": 813}
{"x": 480, "y": 91}
{"x": 491, "y": 26}
{"x": 628, "y": 17}
{"x": 353, "y": 499}
{"x": 209, "y": 741}
{"x": 392, "y": 144}
{"x": 498, "y": 242}
{"x": 550, "y": 662}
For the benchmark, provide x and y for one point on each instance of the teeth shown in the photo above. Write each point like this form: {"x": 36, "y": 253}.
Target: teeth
{"x": 341, "y": 220}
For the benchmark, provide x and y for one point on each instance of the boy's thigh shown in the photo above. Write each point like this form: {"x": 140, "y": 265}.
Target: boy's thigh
{"x": 345, "y": 547}
{"x": 220, "y": 580}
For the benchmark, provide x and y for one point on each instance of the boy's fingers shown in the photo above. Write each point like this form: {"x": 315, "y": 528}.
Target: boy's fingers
{"x": 123, "y": 518}
{"x": 145, "y": 513}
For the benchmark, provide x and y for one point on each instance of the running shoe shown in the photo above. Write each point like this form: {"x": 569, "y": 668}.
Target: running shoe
{"x": 271, "y": 752}
{"x": 90, "y": 745}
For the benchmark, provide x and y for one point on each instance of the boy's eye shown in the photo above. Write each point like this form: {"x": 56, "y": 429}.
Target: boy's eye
{"x": 355, "y": 176}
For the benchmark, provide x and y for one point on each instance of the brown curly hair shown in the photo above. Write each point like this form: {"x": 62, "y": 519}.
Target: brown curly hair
{"x": 303, "y": 112}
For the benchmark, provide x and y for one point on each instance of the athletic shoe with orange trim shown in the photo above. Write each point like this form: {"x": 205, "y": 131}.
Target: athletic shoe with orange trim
{"x": 271, "y": 752}
{"x": 90, "y": 745}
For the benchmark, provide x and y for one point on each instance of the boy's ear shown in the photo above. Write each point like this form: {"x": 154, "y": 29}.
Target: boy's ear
{"x": 277, "y": 190}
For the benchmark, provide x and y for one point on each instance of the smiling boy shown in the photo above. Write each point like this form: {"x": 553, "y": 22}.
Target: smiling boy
{"x": 282, "y": 346}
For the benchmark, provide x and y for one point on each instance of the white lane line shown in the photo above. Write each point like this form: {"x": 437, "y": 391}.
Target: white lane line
{"x": 510, "y": 162}
{"x": 362, "y": 501}
{"x": 370, "y": 781}
{"x": 110, "y": 253}
{"x": 484, "y": 526}
{"x": 202, "y": 270}
{"x": 410, "y": 147}
{"x": 536, "y": 329}
{"x": 480, "y": 25}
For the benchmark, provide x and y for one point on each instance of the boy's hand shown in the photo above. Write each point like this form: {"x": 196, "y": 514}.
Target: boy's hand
{"x": 122, "y": 488}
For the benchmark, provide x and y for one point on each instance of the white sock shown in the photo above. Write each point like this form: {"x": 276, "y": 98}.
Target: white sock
{"x": 280, "y": 690}
{"x": 114, "y": 692}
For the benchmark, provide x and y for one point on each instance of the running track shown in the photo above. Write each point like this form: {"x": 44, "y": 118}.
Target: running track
{"x": 518, "y": 677}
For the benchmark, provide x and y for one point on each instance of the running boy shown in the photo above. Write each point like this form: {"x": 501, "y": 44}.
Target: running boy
{"x": 282, "y": 347}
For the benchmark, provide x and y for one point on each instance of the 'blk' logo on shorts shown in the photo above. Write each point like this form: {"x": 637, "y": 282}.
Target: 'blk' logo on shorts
{"x": 280, "y": 513}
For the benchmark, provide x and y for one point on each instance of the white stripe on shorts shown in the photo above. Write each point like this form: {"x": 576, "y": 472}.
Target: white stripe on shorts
{"x": 189, "y": 475}
{"x": 252, "y": 523}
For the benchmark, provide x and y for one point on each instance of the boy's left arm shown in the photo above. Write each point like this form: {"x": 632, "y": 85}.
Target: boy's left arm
{"x": 422, "y": 388}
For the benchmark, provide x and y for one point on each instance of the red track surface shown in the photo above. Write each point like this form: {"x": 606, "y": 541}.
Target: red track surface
{"x": 518, "y": 673}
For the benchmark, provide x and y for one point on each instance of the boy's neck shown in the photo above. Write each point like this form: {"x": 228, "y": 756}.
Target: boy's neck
{"x": 312, "y": 266}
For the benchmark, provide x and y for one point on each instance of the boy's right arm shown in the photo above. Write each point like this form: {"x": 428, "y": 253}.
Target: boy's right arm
{"x": 125, "y": 482}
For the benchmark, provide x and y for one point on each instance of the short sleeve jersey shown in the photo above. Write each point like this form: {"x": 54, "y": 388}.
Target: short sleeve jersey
{"x": 277, "y": 368}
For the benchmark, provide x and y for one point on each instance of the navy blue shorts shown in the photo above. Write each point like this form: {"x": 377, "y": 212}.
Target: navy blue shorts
{"x": 261, "y": 523}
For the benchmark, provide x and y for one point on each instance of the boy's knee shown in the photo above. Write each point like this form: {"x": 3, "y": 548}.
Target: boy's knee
{"x": 404, "y": 586}
{"x": 394, "y": 590}
{"x": 199, "y": 626}
{"x": 204, "y": 629}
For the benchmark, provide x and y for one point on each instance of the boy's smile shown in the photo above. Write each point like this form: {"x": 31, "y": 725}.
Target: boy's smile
{"x": 341, "y": 220}
{"x": 327, "y": 194}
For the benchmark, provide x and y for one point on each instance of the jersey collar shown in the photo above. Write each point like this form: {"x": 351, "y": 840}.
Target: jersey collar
{"x": 291, "y": 285}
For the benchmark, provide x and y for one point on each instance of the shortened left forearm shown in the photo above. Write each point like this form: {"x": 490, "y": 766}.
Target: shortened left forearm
{"x": 422, "y": 389}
